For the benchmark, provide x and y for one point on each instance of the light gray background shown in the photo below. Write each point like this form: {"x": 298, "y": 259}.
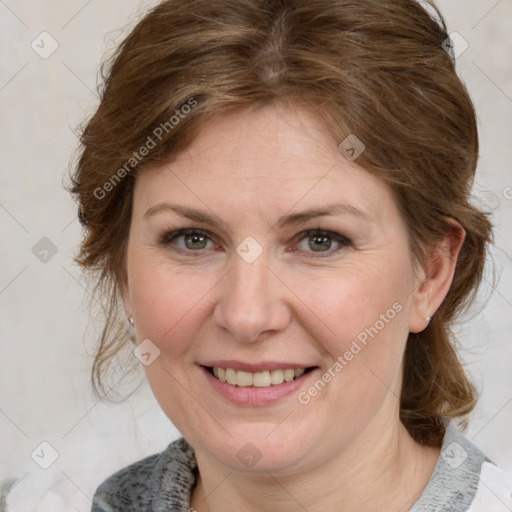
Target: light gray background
{"x": 45, "y": 329}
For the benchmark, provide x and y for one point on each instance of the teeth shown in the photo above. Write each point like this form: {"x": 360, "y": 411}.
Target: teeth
{"x": 231, "y": 376}
{"x": 289, "y": 375}
{"x": 257, "y": 379}
{"x": 276, "y": 376}
{"x": 261, "y": 379}
{"x": 243, "y": 379}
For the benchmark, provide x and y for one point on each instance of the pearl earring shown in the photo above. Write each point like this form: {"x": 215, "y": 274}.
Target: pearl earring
{"x": 428, "y": 320}
{"x": 131, "y": 321}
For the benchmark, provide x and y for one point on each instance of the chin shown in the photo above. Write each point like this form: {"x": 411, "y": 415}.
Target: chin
{"x": 262, "y": 447}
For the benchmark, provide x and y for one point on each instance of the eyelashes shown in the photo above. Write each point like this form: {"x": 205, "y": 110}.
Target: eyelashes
{"x": 321, "y": 236}
{"x": 195, "y": 234}
{"x": 199, "y": 241}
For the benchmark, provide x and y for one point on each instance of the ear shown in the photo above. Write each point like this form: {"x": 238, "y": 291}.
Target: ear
{"x": 436, "y": 277}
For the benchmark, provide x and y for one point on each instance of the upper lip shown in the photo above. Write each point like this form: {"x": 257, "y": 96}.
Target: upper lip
{"x": 255, "y": 367}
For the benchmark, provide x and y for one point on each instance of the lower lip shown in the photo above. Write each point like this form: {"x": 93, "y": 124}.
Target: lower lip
{"x": 252, "y": 396}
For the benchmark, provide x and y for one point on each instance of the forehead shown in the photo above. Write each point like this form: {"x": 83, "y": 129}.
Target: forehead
{"x": 269, "y": 142}
{"x": 271, "y": 160}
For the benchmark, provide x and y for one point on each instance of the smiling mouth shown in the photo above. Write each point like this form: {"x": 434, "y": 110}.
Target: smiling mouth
{"x": 262, "y": 379}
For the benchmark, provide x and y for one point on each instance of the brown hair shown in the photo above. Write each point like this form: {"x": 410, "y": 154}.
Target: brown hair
{"x": 373, "y": 68}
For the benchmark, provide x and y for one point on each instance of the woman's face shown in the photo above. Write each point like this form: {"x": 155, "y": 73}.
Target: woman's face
{"x": 296, "y": 258}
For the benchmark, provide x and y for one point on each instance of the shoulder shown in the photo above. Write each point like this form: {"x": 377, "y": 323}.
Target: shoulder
{"x": 494, "y": 493}
{"x": 461, "y": 479}
{"x": 162, "y": 481}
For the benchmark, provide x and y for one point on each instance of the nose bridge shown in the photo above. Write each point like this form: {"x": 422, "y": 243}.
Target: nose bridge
{"x": 252, "y": 301}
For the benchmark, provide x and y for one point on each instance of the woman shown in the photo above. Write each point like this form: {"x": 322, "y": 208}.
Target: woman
{"x": 275, "y": 195}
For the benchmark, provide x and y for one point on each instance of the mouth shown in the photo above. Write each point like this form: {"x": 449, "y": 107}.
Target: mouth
{"x": 259, "y": 379}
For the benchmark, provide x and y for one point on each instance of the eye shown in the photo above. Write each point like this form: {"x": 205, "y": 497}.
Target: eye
{"x": 317, "y": 241}
{"x": 192, "y": 239}
{"x": 321, "y": 241}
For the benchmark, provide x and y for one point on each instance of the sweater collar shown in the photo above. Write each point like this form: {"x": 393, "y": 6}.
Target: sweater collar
{"x": 452, "y": 486}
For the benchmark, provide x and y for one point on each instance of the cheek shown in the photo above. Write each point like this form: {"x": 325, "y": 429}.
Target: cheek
{"x": 363, "y": 348}
{"x": 170, "y": 307}
{"x": 356, "y": 305}
{"x": 167, "y": 303}
{"x": 363, "y": 301}
{"x": 359, "y": 321}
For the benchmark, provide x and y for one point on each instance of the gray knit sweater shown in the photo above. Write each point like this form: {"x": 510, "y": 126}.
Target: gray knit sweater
{"x": 164, "y": 482}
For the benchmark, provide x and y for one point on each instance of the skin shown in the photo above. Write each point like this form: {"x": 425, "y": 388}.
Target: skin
{"x": 290, "y": 304}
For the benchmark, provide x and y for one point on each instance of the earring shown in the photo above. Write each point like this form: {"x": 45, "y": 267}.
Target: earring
{"x": 428, "y": 320}
{"x": 132, "y": 323}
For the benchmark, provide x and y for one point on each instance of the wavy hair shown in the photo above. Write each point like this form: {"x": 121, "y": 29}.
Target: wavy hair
{"x": 375, "y": 68}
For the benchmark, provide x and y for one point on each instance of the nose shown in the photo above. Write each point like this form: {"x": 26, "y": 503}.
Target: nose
{"x": 253, "y": 303}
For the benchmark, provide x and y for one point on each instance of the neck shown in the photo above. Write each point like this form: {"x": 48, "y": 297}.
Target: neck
{"x": 383, "y": 470}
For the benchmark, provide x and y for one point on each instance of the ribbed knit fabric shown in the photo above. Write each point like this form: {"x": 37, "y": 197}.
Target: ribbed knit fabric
{"x": 454, "y": 481}
{"x": 164, "y": 482}
{"x": 158, "y": 483}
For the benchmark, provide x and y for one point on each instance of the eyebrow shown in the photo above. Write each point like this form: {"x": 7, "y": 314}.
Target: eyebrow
{"x": 286, "y": 220}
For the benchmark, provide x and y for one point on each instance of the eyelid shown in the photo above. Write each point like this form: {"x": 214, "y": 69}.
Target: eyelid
{"x": 169, "y": 235}
{"x": 340, "y": 239}
{"x": 320, "y": 231}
